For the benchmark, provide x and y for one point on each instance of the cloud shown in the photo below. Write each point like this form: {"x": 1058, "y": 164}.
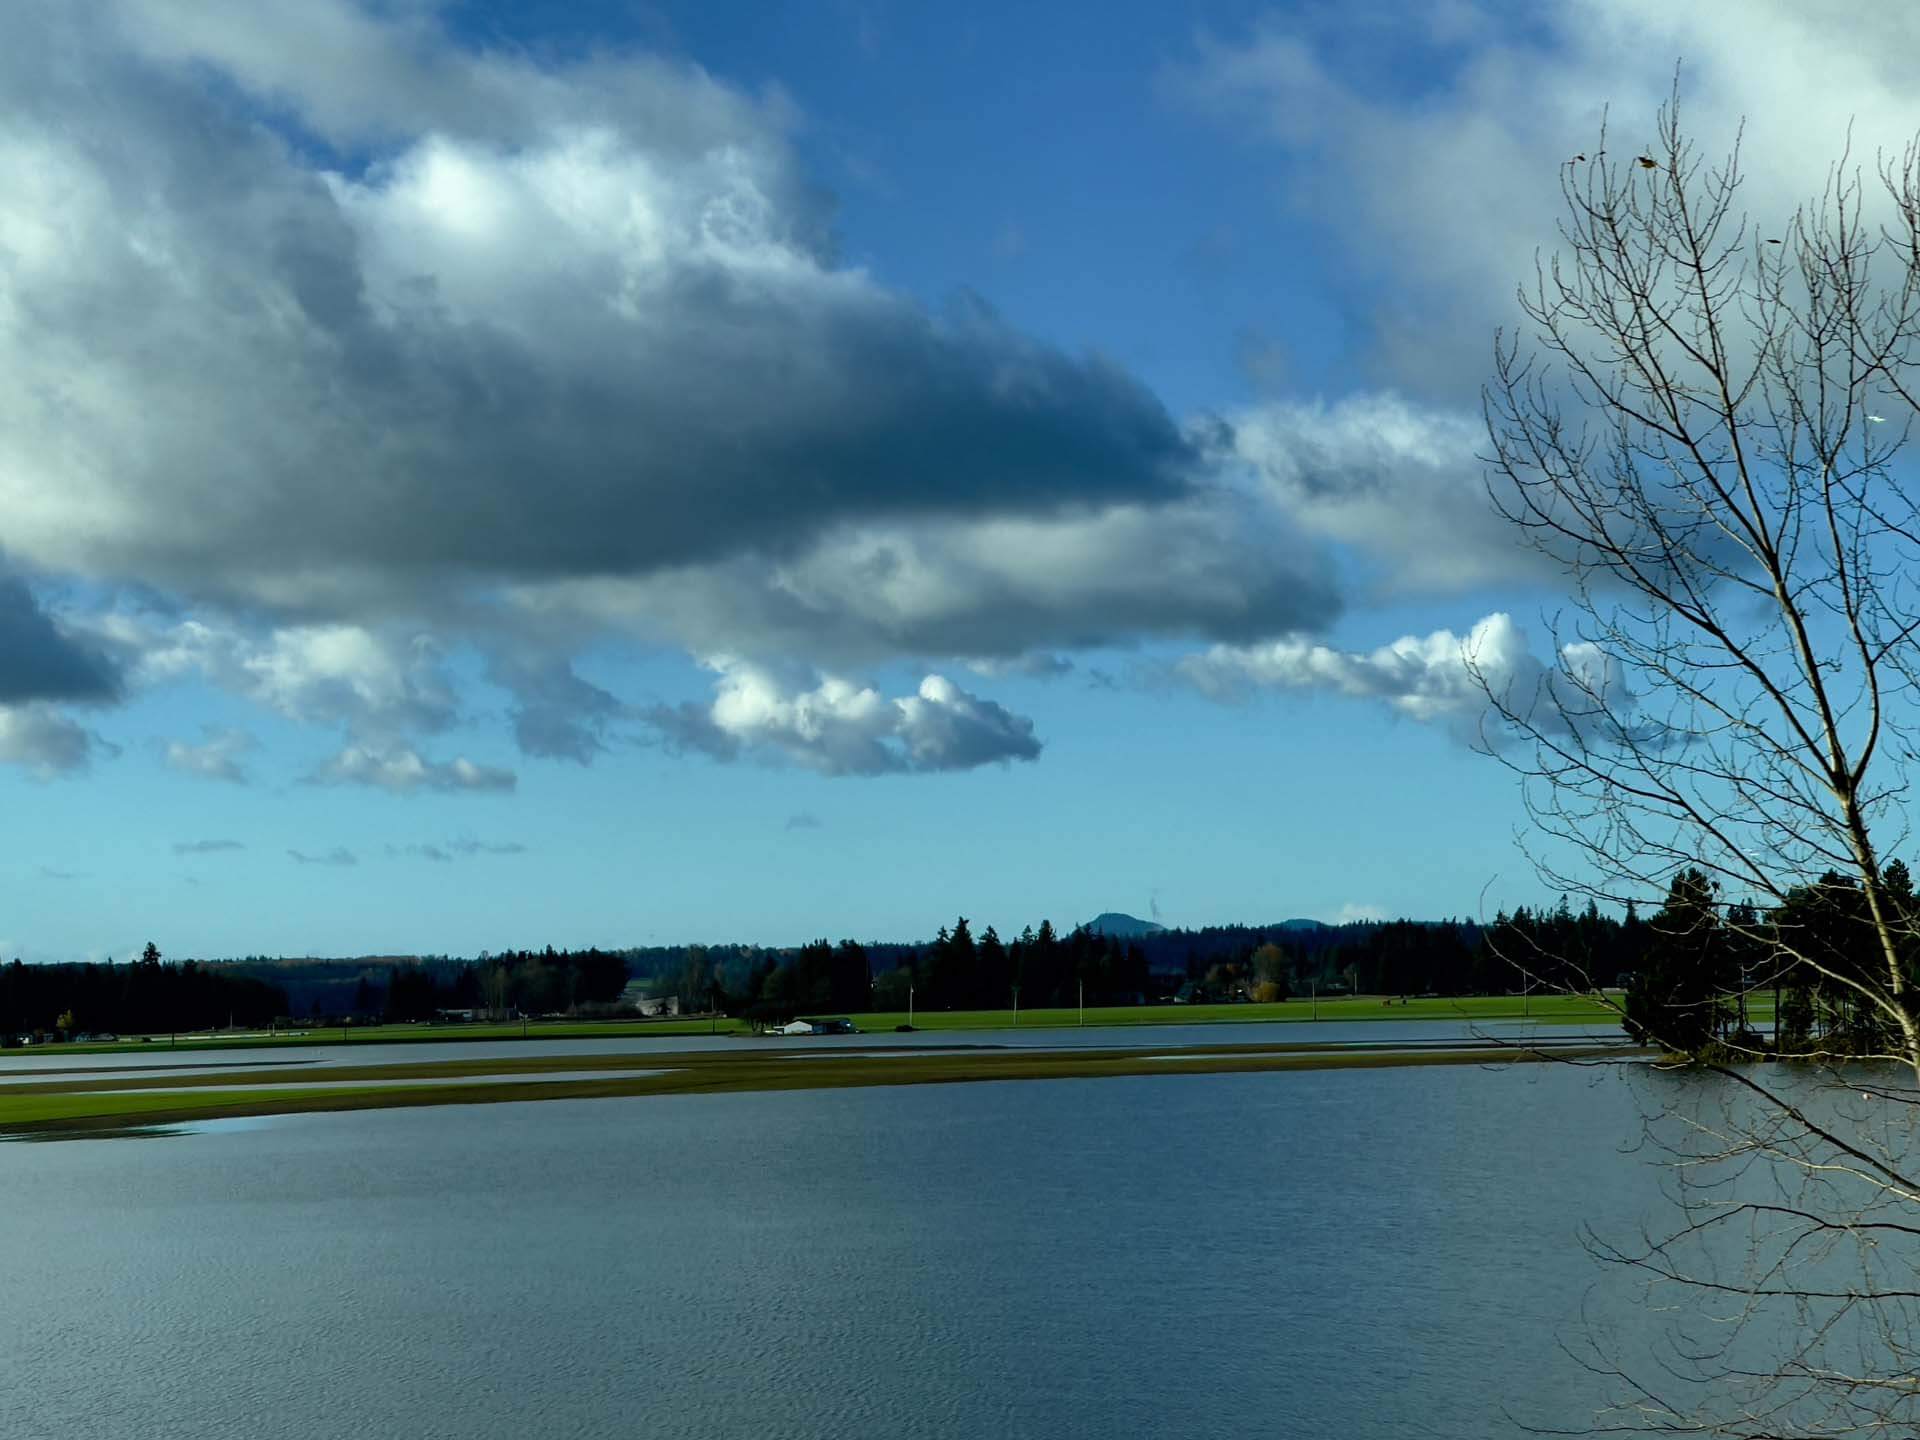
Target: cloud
{"x": 217, "y": 758}
{"x": 556, "y": 714}
{"x": 465, "y": 849}
{"x": 804, "y": 820}
{"x": 479, "y": 320}
{"x": 1353, "y": 913}
{"x": 40, "y": 659}
{"x": 47, "y": 872}
{"x": 1441, "y": 679}
{"x": 338, "y": 856}
{"x": 423, "y": 852}
{"x": 405, "y": 771}
{"x": 473, "y": 352}
{"x": 482, "y": 847}
{"x": 1225, "y": 565}
{"x": 1440, "y": 193}
{"x": 840, "y": 728}
{"x": 205, "y": 847}
{"x": 1400, "y": 483}
{"x": 368, "y": 681}
{"x": 47, "y": 743}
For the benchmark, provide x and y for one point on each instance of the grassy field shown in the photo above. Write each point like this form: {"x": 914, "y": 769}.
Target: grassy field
{"x": 1548, "y": 1009}
{"x": 80, "y": 1102}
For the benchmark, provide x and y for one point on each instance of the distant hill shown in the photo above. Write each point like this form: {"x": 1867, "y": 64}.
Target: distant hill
{"x": 1302, "y": 925}
{"x": 1123, "y": 927}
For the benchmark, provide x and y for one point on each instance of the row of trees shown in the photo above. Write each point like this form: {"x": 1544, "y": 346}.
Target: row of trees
{"x": 524, "y": 982}
{"x": 958, "y": 970}
{"x": 1813, "y": 958}
{"x": 149, "y": 995}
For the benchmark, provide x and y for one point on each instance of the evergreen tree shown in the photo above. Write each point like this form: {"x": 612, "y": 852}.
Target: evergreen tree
{"x": 1678, "y": 998}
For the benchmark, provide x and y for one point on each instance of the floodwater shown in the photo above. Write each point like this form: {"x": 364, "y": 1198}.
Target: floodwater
{"x": 1354, "y": 1253}
{"x": 1369, "y": 1034}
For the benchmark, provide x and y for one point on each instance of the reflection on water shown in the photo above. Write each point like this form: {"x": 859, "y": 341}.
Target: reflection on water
{"x": 1356, "y": 1253}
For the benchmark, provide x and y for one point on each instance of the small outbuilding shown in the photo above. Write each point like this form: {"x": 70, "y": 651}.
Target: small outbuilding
{"x": 829, "y": 1025}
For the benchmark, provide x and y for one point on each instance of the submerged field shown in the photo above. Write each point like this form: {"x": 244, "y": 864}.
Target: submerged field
{"x": 77, "y": 1100}
{"x": 1547, "y": 1009}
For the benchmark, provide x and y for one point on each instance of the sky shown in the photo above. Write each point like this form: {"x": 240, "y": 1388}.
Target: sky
{"x": 480, "y": 474}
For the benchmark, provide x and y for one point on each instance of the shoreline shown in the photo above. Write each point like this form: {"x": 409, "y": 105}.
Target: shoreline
{"x": 137, "y": 1102}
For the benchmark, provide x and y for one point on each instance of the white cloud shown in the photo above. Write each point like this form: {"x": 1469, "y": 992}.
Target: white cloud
{"x": 840, "y": 728}
{"x": 405, "y": 771}
{"x": 1398, "y": 482}
{"x": 1450, "y": 187}
{"x": 369, "y": 682}
{"x": 1440, "y": 679}
{"x": 219, "y": 757}
{"x": 1353, "y": 912}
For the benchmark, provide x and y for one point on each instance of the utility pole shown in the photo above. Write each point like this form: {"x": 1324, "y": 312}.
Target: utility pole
{"x": 909, "y": 1006}
{"x": 1083, "y": 1004}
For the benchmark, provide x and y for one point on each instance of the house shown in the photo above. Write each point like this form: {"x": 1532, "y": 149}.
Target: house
{"x": 830, "y": 1025}
{"x": 636, "y": 996}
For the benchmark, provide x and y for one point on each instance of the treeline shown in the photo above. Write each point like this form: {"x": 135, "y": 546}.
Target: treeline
{"x": 150, "y": 995}
{"x": 519, "y": 982}
{"x": 1816, "y": 956}
{"x": 959, "y": 969}
{"x": 1546, "y": 948}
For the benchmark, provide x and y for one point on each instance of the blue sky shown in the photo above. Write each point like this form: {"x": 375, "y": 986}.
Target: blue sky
{"x": 501, "y": 474}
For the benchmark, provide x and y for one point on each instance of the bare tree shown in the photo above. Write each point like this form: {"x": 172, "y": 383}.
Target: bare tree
{"x": 1704, "y": 426}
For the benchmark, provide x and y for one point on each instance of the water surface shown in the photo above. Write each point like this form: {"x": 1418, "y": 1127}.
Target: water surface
{"x": 1352, "y": 1253}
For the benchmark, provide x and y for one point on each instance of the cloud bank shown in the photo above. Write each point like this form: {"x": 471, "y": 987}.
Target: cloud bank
{"x": 469, "y": 351}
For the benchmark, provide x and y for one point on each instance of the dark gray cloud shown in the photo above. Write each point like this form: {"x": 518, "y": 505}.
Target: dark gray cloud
{"x": 556, "y": 714}
{"x": 41, "y": 661}
{"x": 47, "y": 743}
{"x": 456, "y": 849}
{"x": 205, "y": 847}
{"x": 479, "y": 351}
{"x": 338, "y": 856}
{"x": 545, "y": 354}
{"x": 1219, "y": 566}
{"x": 422, "y": 852}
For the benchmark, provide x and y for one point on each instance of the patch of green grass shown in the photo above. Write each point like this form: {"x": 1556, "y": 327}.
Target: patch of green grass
{"x": 1547, "y": 1009}
{"x": 81, "y": 1105}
